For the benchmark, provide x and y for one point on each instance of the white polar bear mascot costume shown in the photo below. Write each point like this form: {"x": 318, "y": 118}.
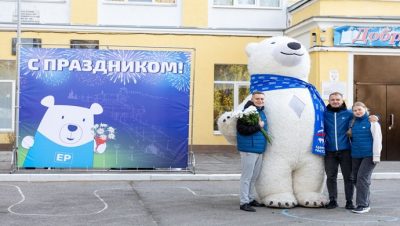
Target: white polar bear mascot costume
{"x": 293, "y": 168}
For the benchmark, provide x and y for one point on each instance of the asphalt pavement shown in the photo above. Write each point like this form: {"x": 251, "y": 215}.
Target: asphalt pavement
{"x": 205, "y": 195}
{"x": 173, "y": 203}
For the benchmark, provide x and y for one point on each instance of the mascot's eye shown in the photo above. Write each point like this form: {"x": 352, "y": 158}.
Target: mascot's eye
{"x": 62, "y": 117}
{"x": 273, "y": 42}
{"x": 83, "y": 120}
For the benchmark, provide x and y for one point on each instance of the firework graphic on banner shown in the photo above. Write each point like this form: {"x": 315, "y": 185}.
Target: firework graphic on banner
{"x": 49, "y": 77}
{"x": 89, "y": 55}
{"x": 180, "y": 80}
{"x": 124, "y": 77}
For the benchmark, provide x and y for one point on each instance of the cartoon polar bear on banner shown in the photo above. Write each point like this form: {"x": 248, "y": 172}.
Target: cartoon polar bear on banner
{"x": 64, "y": 137}
{"x": 291, "y": 174}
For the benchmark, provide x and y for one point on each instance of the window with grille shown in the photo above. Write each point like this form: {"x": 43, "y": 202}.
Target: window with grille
{"x": 231, "y": 87}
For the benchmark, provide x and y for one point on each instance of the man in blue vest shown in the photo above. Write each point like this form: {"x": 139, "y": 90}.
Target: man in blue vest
{"x": 251, "y": 143}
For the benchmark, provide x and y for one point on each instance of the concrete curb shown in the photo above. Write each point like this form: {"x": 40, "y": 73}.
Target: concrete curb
{"x": 146, "y": 177}
{"x": 119, "y": 177}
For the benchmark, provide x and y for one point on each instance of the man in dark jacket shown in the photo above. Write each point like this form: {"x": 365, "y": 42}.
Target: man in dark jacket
{"x": 337, "y": 145}
{"x": 251, "y": 143}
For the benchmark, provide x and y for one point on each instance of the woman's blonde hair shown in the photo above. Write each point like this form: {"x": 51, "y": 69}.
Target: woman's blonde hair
{"x": 360, "y": 104}
{"x": 356, "y": 104}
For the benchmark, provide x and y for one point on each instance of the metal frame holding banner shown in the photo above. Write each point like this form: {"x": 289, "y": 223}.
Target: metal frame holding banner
{"x": 127, "y": 108}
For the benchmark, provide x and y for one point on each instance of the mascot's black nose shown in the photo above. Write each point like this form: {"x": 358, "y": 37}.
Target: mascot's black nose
{"x": 294, "y": 45}
{"x": 72, "y": 128}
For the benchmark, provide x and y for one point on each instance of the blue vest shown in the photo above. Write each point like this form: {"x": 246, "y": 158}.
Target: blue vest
{"x": 256, "y": 142}
{"x": 336, "y": 125}
{"x": 361, "y": 141}
{"x": 45, "y": 153}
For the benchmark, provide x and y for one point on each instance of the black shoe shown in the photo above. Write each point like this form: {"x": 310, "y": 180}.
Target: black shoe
{"x": 349, "y": 205}
{"x": 247, "y": 207}
{"x": 361, "y": 209}
{"x": 332, "y": 204}
{"x": 256, "y": 204}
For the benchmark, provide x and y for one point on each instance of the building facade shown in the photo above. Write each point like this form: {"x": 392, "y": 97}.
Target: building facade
{"x": 216, "y": 30}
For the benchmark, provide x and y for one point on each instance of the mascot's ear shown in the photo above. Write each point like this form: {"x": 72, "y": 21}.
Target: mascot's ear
{"x": 47, "y": 101}
{"x": 96, "y": 109}
{"x": 250, "y": 48}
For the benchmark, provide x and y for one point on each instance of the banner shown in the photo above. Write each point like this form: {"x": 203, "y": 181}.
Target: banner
{"x": 367, "y": 36}
{"x": 87, "y": 108}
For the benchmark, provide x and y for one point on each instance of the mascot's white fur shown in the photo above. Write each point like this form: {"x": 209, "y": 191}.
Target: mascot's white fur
{"x": 291, "y": 175}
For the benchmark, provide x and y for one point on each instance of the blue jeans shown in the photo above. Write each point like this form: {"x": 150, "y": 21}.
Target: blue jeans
{"x": 251, "y": 168}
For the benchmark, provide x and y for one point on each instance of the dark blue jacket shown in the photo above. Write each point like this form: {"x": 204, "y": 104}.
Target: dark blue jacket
{"x": 336, "y": 124}
{"x": 361, "y": 140}
{"x": 250, "y": 138}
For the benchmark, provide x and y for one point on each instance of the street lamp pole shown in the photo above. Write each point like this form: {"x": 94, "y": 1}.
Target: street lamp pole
{"x": 18, "y": 23}
{"x": 16, "y": 122}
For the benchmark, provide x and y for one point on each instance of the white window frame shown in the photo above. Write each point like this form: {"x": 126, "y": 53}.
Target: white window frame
{"x": 256, "y": 5}
{"x": 236, "y": 86}
{"x": 11, "y": 129}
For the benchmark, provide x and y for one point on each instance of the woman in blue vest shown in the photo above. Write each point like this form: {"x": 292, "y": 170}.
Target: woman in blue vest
{"x": 366, "y": 146}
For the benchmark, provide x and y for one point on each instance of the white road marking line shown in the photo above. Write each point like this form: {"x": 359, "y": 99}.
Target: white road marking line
{"x": 95, "y": 193}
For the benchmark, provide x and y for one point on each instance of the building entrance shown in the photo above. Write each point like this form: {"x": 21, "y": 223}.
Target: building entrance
{"x": 377, "y": 84}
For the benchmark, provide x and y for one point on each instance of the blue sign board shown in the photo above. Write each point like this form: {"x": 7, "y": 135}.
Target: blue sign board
{"x": 367, "y": 36}
{"x": 87, "y": 108}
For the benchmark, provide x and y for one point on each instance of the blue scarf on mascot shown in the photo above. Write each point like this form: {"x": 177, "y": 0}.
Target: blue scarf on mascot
{"x": 268, "y": 82}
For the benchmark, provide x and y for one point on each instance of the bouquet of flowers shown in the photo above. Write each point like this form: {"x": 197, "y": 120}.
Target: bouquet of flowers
{"x": 103, "y": 132}
{"x": 251, "y": 117}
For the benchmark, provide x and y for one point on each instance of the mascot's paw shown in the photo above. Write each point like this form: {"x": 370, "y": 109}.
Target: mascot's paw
{"x": 101, "y": 148}
{"x": 281, "y": 200}
{"x": 227, "y": 126}
{"x": 312, "y": 199}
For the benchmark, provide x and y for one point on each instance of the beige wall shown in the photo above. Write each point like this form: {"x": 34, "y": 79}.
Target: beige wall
{"x": 356, "y": 8}
{"x": 333, "y": 60}
{"x": 305, "y": 13}
{"x": 194, "y": 13}
{"x": 347, "y": 8}
{"x": 83, "y": 12}
{"x": 5, "y": 43}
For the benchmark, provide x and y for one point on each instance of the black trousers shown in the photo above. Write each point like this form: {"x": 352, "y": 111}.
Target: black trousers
{"x": 332, "y": 162}
{"x": 362, "y": 172}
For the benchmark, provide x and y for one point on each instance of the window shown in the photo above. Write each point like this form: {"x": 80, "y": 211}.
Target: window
{"x": 7, "y": 98}
{"x": 8, "y": 70}
{"x": 248, "y": 3}
{"x": 146, "y": 1}
{"x": 231, "y": 87}
{"x": 84, "y": 44}
{"x": 26, "y": 42}
{"x": 8, "y": 74}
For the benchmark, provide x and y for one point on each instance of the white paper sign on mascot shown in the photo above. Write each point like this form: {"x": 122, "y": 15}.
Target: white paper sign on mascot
{"x": 291, "y": 174}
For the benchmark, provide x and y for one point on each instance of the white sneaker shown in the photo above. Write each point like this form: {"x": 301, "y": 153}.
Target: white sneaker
{"x": 361, "y": 209}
